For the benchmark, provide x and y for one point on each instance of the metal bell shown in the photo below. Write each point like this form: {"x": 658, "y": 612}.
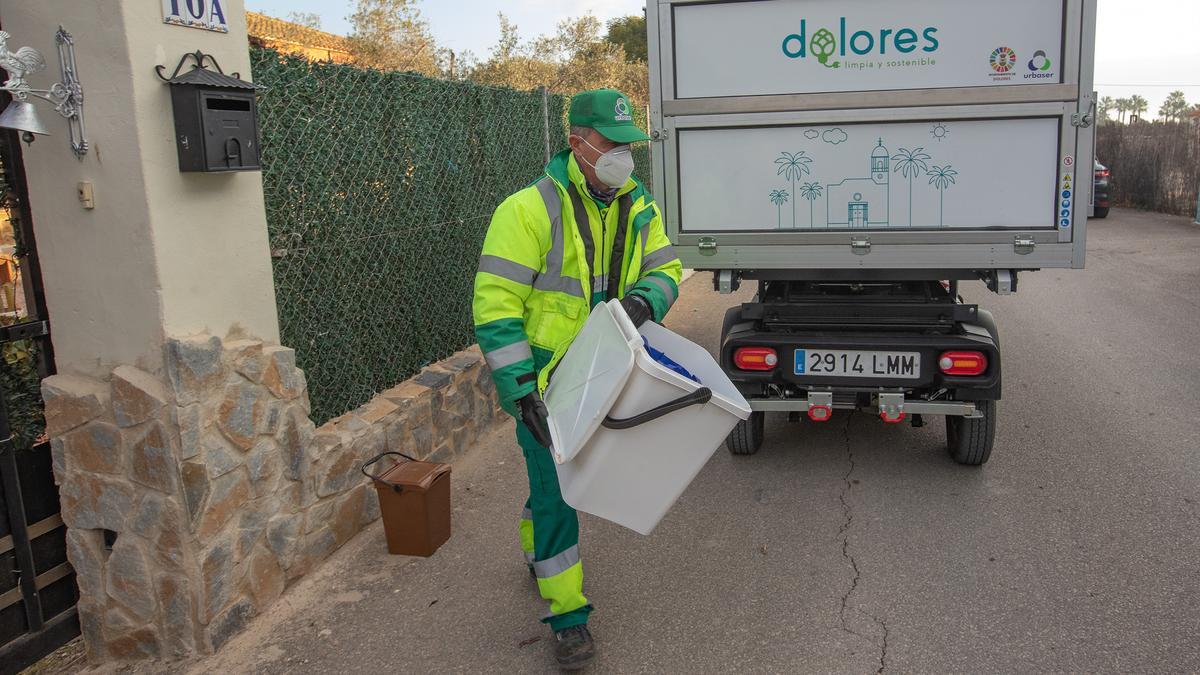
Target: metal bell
{"x": 22, "y": 116}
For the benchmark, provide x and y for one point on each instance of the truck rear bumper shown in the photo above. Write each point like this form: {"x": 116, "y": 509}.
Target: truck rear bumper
{"x": 882, "y": 405}
{"x": 930, "y": 379}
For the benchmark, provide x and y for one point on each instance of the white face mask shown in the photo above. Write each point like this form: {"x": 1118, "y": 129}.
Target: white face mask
{"x": 614, "y": 167}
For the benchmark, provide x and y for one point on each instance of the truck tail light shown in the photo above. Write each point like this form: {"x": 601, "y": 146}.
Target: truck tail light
{"x": 1103, "y": 173}
{"x": 820, "y": 413}
{"x": 755, "y": 358}
{"x": 963, "y": 363}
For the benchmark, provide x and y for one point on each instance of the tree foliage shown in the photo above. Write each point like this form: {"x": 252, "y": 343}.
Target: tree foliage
{"x": 1173, "y": 109}
{"x": 630, "y": 33}
{"x": 573, "y": 59}
{"x": 1138, "y": 105}
{"x": 306, "y": 19}
{"x": 392, "y": 35}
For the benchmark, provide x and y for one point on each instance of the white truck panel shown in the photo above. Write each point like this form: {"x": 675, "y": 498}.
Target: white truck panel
{"x": 904, "y": 134}
{"x": 903, "y": 176}
{"x": 789, "y": 47}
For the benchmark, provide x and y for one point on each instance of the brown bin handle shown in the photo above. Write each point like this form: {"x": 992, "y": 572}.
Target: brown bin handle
{"x": 378, "y": 457}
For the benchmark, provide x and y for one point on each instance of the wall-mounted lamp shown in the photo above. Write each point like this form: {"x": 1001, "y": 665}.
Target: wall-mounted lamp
{"x": 66, "y": 95}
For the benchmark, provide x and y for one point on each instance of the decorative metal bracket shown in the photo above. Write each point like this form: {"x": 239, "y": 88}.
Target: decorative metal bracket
{"x": 199, "y": 58}
{"x": 66, "y": 95}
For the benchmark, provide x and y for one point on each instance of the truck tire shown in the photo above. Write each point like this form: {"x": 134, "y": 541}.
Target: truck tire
{"x": 747, "y": 437}
{"x": 970, "y": 441}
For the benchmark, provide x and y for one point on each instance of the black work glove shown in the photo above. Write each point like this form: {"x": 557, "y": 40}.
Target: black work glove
{"x": 637, "y": 309}
{"x": 533, "y": 416}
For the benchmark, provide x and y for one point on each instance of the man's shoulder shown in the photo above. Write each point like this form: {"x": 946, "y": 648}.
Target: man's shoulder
{"x": 526, "y": 202}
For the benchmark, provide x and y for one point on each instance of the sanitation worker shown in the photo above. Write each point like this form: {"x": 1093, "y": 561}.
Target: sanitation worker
{"x": 585, "y": 232}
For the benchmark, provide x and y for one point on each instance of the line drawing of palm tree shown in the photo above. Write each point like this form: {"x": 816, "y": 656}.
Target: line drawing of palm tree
{"x": 911, "y": 163}
{"x": 942, "y": 177}
{"x": 793, "y": 166}
{"x": 779, "y": 198}
{"x": 810, "y": 191}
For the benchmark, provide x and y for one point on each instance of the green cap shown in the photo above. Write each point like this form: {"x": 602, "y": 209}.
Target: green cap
{"x": 607, "y": 111}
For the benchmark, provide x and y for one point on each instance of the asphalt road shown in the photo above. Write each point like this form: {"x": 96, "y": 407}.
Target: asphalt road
{"x": 851, "y": 546}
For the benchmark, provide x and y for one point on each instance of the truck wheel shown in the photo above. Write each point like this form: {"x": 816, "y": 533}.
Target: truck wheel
{"x": 747, "y": 437}
{"x": 970, "y": 441}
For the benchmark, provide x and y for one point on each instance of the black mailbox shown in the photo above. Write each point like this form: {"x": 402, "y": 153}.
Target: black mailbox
{"x": 216, "y": 119}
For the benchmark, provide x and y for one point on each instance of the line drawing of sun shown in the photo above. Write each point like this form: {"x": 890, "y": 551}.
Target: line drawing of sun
{"x": 939, "y": 131}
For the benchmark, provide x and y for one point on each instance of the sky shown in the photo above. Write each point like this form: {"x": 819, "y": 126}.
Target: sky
{"x": 1148, "y": 47}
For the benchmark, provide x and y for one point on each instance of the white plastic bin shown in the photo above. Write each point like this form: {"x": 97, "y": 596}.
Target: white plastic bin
{"x": 630, "y": 434}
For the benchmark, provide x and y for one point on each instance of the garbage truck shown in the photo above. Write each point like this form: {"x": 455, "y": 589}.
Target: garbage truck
{"x": 858, "y": 161}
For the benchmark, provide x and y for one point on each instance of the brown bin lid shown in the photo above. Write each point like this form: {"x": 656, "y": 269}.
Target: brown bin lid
{"x": 418, "y": 475}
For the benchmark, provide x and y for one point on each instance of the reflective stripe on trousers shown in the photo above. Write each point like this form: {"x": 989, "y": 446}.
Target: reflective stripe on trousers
{"x": 554, "y": 530}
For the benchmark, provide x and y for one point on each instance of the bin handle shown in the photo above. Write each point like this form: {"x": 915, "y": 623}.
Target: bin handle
{"x": 378, "y": 457}
{"x": 698, "y": 397}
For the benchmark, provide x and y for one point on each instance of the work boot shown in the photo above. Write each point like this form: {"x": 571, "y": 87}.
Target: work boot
{"x": 575, "y": 649}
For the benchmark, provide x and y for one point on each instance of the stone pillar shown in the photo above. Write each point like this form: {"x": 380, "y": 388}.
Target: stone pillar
{"x": 184, "y": 495}
{"x": 178, "y": 425}
{"x": 193, "y": 484}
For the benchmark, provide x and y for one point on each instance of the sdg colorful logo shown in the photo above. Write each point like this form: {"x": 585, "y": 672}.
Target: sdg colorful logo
{"x": 824, "y": 44}
{"x": 1003, "y": 59}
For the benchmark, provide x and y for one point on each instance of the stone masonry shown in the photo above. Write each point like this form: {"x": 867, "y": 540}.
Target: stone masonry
{"x": 195, "y": 496}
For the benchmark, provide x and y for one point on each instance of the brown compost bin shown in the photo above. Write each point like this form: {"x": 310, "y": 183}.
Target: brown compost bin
{"x": 414, "y": 500}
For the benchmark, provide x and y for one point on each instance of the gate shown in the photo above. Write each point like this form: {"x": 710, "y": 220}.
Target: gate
{"x": 37, "y": 585}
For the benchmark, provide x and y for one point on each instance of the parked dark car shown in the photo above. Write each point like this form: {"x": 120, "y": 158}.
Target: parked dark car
{"x": 1100, "y": 191}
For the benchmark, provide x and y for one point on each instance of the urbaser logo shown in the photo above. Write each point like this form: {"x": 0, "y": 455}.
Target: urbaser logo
{"x": 621, "y": 111}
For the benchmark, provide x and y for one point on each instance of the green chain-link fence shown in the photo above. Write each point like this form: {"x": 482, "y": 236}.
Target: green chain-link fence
{"x": 379, "y": 188}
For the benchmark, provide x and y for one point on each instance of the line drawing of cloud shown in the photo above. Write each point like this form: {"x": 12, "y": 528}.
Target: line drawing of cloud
{"x": 835, "y": 136}
{"x": 811, "y": 134}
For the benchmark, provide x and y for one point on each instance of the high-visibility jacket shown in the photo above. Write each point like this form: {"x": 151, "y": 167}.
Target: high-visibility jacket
{"x": 547, "y": 260}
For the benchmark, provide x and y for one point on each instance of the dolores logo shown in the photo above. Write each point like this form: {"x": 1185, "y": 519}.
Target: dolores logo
{"x": 622, "y": 111}
{"x": 824, "y": 45}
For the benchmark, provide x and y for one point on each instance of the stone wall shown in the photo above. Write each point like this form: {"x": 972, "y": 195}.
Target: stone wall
{"x": 195, "y": 496}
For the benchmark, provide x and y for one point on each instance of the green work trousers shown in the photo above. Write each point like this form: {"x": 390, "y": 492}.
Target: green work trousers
{"x": 550, "y": 538}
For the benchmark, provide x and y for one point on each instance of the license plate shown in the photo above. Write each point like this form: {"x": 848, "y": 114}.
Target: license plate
{"x": 839, "y": 363}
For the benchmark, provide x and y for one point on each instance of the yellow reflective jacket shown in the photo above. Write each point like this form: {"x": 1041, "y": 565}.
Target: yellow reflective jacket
{"x": 548, "y": 259}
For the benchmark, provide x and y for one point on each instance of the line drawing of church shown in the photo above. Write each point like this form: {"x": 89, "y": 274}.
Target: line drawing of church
{"x": 862, "y": 202}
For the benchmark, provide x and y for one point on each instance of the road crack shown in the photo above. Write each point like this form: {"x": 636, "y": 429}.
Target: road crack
{"x": 844, "y": 533}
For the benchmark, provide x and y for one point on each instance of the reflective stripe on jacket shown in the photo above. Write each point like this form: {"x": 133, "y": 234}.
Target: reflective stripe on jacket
{"x": 546, "y": 262}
